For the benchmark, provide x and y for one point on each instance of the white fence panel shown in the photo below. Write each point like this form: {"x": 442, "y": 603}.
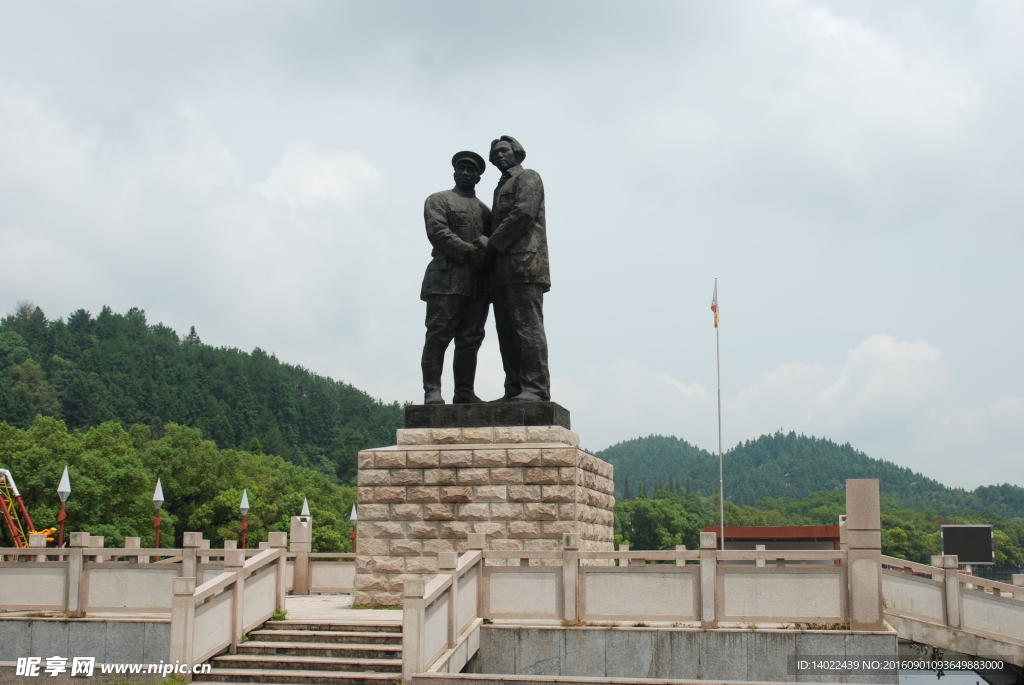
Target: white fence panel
{"x": 469, "y": 585}
{"x": 993, "y": 615}
{"x": 624, "y": 595}
{"x": 144, "y": 589}
{"x": 527, "y": 592}
{"x": 212, "y": 626}
{"x": 332, "y": 576}
{"x": 784, "y": 595}
{"x": 914, "y": 596}
{"x": 260, "y": 596}
{"x": 33, "y": 586}
{"x": 435, "y": 629}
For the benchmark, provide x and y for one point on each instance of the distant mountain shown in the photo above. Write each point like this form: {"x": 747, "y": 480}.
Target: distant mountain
{"x": 792, "y": 466}
{"x": 118, "y": 367}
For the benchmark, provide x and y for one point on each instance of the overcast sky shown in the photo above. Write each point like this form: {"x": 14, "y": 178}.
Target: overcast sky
{"x": 851, "y": 172}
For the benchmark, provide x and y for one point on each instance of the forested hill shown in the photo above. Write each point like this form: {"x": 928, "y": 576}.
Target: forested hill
{"x": 118, "y": 367}
{"x": 757, "y": 469}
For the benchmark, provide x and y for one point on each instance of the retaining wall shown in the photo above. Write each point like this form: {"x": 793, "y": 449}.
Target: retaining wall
{"x": 667, "y": 653}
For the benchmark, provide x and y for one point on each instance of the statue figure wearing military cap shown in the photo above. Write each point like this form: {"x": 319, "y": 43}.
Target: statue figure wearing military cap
{"x": 455, "y": 285}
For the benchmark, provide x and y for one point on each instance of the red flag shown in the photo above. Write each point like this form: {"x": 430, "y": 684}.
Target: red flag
{"x": 714, "y": 303}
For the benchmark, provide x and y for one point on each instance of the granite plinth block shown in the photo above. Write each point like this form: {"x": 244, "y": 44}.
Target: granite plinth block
{"x": 486, "y": 414}
{"x": 524, "y": 487}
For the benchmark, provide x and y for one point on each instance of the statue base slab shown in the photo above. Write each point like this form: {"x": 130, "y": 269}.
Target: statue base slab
{"x": 487, "y": 414}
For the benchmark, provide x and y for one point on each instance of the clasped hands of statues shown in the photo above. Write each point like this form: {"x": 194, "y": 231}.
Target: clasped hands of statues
{"x": 477, "y": 255}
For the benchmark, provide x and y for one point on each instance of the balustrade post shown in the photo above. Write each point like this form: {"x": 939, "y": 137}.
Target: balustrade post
{"x": 759, "y": 562}
{"x": 190, "y": 544}
{"x": 97, "y": 541}
{"x": 413, "y": 608}
{"x": 1018, "y": 581}
{"x": 864, "y": 554}
{"x": 447, "y": 562}
{"x": 301, "y": 545}
{"x": 623, "y": 561}
{"x": 708, "y": 579}
{"x": 183, "y": 613}
{"x": 478, "y": 541}
{"x": 954, "y": 597}
{"x": 570, "y": 576}
{"x": 234, "y": 562}
{"x": 133, "y": 543}
{"x": 77, "y": 581}
{"x": 37, "y": 540}
{"x": 280, "y": 541}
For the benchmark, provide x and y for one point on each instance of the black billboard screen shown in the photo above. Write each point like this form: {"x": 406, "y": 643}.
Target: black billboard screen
{"x": 971, "y": 544}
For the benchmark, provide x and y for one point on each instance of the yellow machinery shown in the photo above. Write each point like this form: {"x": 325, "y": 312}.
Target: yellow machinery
{"x": 12, "y": 508}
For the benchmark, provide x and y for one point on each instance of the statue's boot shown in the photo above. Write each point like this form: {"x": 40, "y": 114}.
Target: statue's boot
{"x": 464, "y": 366}
{"x": 432, "y": 363}
{"x": 526, "y": 396}
{"x": 533, "y": 374}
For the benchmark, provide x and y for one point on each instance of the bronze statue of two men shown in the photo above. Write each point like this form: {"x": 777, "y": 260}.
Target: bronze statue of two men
{"x": 483, "y": 256}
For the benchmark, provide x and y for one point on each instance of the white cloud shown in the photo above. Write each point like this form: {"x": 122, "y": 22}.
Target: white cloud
{"x": 845, "y": 169}
{"x": 305, "y": 176}
{"x": 890, "y": 398}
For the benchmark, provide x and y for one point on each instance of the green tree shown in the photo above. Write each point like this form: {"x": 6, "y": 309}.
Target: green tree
{"x": 113, "y": 472}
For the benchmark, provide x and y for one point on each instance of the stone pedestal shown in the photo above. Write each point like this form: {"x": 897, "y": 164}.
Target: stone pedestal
{"x": 486, "y": 414}
{"x": 524, "y": 487}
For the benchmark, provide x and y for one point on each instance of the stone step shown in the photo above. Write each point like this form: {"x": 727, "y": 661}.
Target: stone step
{"x": 237, "y": 676}
{"x": 329, "y": 636}
{"x": 264, "y": 662}
{"x": 331, "y": 649}
{"x": 328, "y": 625}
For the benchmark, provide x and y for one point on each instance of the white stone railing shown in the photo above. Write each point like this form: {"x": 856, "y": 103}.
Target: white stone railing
{"x": 214, "y": 616}
{"x": 940, "y": 595}
{"x": 706, "y": 587}
{"x": 87, "y": 577}
{"x": 326, "y": 572}
{"x": 441, "y": 617}
{"x": 90, "y": 578}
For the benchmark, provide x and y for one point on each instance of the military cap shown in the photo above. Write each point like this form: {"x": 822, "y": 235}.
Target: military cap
{"x": 471, "y": 156}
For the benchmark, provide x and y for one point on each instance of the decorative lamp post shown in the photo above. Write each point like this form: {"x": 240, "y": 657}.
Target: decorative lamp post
{"x": 305, "y": 507}
{"x": 353, "y": 518}
{"x": 244, "y": 508}
{"x": 63, "y": 490}
{"x": 158, "y": 503}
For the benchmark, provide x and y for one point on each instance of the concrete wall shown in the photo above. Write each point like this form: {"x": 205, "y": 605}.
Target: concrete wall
{"x": 524, "y": 487}
{"x": 121, "y": 641}
{"x": 665, "y": 653}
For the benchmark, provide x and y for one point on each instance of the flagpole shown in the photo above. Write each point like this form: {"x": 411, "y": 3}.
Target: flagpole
{"x": 721, "y": 479}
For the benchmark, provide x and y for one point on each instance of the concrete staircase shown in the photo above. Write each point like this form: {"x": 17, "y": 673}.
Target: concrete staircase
{"x": 308, "y": 653}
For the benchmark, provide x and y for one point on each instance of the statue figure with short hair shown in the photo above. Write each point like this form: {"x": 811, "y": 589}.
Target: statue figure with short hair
{"x": 518, "y": 241}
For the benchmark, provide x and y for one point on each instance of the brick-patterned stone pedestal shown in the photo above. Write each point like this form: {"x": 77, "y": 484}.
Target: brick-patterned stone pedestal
{"x": 524, "y": 487}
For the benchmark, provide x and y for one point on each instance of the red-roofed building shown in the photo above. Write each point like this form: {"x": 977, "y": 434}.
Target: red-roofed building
{"x": 779, "y": 537}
